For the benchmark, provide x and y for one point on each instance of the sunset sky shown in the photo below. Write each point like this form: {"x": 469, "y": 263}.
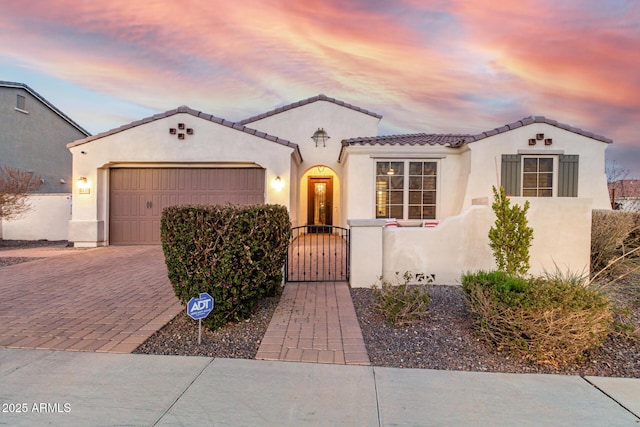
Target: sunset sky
{"x": 438, "y": 66}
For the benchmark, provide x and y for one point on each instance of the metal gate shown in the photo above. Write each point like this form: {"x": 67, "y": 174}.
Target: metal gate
{"x": 318, "y": 253}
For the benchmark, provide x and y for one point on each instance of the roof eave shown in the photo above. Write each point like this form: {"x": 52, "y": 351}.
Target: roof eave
{"x": 48, "y": 104}
{"x": 307, "y": 101}
{"x": 186, "y": 110}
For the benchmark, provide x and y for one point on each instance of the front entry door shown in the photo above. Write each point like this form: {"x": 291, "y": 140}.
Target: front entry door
{"x": 320, "y": 201}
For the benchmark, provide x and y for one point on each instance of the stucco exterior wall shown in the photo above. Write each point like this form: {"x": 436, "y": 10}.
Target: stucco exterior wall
{"x": 151, "y": 145}
{"x": 458, "y": 244}
{"x": 359, "y": 171}
{"x": 562, "y": 238}
{"x": 486, "y": 160}
{"x": 35, "y": 140}
{"x": 48, "y": 219}
{"x": 298, "y": 126}
{"x": 469, "y": 172}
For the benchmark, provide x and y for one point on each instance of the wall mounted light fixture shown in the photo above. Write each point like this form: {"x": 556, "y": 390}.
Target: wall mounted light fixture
{"x": 84, "y": 186}
{"x": 277, "y": 183}
{"x": 532, "y": 141}
{"x": 548, "y": 141}
{"x": 320, "y": 137}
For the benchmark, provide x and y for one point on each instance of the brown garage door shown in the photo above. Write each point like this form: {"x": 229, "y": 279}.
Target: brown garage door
{"x": 137, "y": 196}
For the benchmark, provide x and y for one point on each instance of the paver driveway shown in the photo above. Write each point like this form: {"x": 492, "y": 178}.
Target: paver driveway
{"x": 107, "y": 299}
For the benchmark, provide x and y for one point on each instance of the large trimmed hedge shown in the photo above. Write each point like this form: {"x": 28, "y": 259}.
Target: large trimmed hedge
{"x": 234, "y": 253}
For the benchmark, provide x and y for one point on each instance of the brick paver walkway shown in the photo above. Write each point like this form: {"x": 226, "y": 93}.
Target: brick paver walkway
{"x": 315, "y": 322}
{"x": 105, "y": 299}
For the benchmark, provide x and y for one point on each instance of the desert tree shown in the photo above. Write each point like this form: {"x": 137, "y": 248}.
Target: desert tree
{"x": 15, "y": 184}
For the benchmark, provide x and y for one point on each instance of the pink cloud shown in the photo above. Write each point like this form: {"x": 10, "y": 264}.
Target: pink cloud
{"x": 441, "y": 66}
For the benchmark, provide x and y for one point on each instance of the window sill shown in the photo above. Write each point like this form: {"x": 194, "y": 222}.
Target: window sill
{"x": 21, "y": 110}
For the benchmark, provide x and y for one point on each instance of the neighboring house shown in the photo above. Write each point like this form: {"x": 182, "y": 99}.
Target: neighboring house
{"x": 625, "y": 194}
{"x": 33, "y": 137}
{"x": 321, "y": 158}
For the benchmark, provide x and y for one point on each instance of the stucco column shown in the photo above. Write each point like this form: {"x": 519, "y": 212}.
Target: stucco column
{"x": 366, "y": 251}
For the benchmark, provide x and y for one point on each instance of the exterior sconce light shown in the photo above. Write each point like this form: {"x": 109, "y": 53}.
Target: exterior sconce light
{"x": 320, "y": 137}
{"x": 540, "y": 136}
{"x": 532, "y": 141}
{"x": 277, "y": 183}
{"x": 548, "y": 141}
{"x": 84, "y": 186}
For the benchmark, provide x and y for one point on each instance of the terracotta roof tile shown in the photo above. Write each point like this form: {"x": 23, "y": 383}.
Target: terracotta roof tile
{"x": 538, "y": 119}
{"x": 305, "y": 102}
{"x": 457, "y": 140}
{"x": 452, "y": 140}
{"x": 184, "y": 109}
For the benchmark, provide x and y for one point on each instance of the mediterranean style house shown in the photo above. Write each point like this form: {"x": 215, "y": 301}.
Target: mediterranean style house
{"x": 33, "y": 138}
{"x": 416, "y": 202}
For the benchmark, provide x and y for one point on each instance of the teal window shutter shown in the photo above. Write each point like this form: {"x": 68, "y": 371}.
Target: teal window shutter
{"x": 568, "y": 175}
{"x": 510, "y": 174}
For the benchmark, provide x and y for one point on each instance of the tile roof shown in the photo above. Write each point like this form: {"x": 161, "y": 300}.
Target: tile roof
{"x": 195, "y": 113}
{"x": 313, "y": 99}
{"x": 452, "y": 140}
{"x": 457, "y": 140}
{"x": 45, "y": 102}
{"x": 625, "y": 188}
{"x": 537, "y": 119}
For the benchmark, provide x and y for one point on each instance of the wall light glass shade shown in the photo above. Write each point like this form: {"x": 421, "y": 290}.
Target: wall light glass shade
{"x": 277, "y": 183}
{"x": 84, "y": 186}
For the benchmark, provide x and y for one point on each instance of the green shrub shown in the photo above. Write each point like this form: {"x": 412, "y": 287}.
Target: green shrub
{"x": 234, "y": 253}
{"x": 552, "y": 319}
{"x": 402, "y": 303}
{"x": 510, "y": 237}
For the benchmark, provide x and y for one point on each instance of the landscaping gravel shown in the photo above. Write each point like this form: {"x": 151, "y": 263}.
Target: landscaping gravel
{"x": 444, "y": 340}
{"x": 22, "y": 244}
{"x": 235, "y": 340}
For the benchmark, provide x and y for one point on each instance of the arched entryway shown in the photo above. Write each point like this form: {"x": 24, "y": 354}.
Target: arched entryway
{"x": 319, "y": 249}
{"x": 319, "y": 197}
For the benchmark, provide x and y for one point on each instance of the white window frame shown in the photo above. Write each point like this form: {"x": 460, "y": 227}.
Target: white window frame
{"x": 24, "y": 99}
{"x": 555, "y": 170}
{"x": 405, "y": 188}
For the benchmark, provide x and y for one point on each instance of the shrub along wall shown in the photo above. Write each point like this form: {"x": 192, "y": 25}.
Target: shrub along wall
{"x": 234, "y": 253}
{"x": 551, "y": 319}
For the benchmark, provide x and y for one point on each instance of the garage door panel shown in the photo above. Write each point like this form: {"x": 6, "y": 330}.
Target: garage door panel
{"x": 138, "y": 196}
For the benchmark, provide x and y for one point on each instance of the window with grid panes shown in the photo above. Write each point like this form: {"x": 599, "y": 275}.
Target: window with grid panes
{"x": 422, "y": 190}
{"x": 389, "y": 189}
{"x": 537, "y": 176}
{"x": 406, "y": 189}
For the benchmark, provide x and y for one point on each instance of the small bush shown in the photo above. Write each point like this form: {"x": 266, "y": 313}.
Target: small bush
{"x": 402, "y": 303}
{"x": 510, "y": 237}
{"x": 234, "y": 253}
{"x": 552, "y": 319}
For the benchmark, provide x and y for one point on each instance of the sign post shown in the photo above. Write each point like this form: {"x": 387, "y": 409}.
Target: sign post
{"x": 198, "y": 309}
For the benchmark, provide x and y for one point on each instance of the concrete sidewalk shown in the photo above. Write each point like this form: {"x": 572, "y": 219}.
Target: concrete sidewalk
{"x": 75, "y": 388}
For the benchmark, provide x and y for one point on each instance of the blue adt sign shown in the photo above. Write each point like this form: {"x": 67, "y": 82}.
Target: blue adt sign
{"x": 199, "y": 308}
